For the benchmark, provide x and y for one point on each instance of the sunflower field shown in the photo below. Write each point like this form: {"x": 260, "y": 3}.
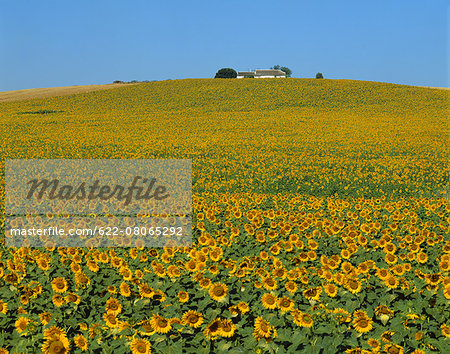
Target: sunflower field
{"x": 320, "y": 221}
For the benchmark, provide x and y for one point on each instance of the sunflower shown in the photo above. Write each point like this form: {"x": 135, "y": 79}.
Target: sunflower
{"x": 262, "y": 329}
{"x": 313, "y": 293}
{"x": 234, "y": 310}
{"x": 269, "y": 301}
{"x": 373, "y": 343}
{"x": 341, "y": 315}
{"x": 21, "y": 324}
{"x": 160, "y": 324}
{"x": 82, "y": 280}
{"x": 183, "y": 296}
{"x": 279, "y": 273}
{"x": 391, "y": 282}
{"x": 422, "y": 257}
{"x": 213, "y": 329}
{"x": 218, "y": 291}
{"x": 291, "y": 287}
{"x": 75, "y": 267}
{"x": 296, "y": 317}
{"x": 191, "y": 265}
{"x": 111, "y": 320}
{"x": 285, "y": 304}
{"x": 192, "y": 318}
{"x": 227, "y": 328}
{"x": 95, "y": 330}
{"x": 43, "y": 264}
{"x": 390, "y": 258}
{"x": 24, "y": 299}
{"x": 445, "y": 330}
{"x": 447, "y": 291}
{"x": 393, "y": 349}
{"x": 54, "y": 331}
{"x": 4, "y": 351}
{"x": 382, "y": 273}
{"x": 330, "y": 289}
{"x": 72, "y": 297}
{"x": 146, "y": 291}
{"x": 243, "y": 307}
{"x": 146, "y": 328}
{"x": 113, "y": 306}
{"x": 59, "y": 285}
{"x": 58, "y": 300}
{"x": 45, "y": 317}
{"x": 433, "y": 279}
{"x": 140, "y": 346}
{"x": 205, "y": 283}
{"x": 345, "y": 254}
{"x": 301, "y": 319}
{"x": 81, "y": 342}
{"x": 362, "y": 324}
{"x": 3, "y": 307}
{"x": 56, "y": 345}
{"x": 213, "y": 269}
{"x": 83, "y": 326}
{"x": 124, "y": 289}
{"x": 444, "y": 266}
{"x": 269, "y": 283}
{"x": 312, "y": 255}
{"x": 347, "y": 267}
{"x": 173, "y": 271}
{"x": 398, "y": 269}
{"x": 353, "y": 285}
{"x": 360, "y": 314}
{"x": 386, "y": 336}
{"x": 384, "y": 310}
{"x": 93, "y": 266}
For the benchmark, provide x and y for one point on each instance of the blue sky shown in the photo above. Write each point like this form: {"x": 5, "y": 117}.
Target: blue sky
{"x": 60, "y": 43}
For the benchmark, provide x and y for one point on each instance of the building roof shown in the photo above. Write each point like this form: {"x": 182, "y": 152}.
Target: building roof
{"x": 270, "y": 72}
{"x": 246, "y": 73}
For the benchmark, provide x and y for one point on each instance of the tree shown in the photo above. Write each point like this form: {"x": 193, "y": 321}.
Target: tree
{"x": 226, "y": 73}
{"x": 319, "y": 76}
{"x": 286, "y": 70}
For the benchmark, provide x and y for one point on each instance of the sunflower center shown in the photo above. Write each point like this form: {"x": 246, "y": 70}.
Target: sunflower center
{"x": 193, "y": 318}
{"x": 57, "y": 347}
{"x": 141, "y": 348}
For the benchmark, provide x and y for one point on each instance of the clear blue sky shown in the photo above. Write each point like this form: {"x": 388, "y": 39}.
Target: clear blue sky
{"x": 60, "y": 43}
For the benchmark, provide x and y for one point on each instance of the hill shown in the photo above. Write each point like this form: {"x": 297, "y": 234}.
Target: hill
{"x": 302, "y": 135}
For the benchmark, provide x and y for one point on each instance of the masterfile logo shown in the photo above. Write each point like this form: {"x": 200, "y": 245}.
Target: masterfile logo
{"x": 98, "y": 203}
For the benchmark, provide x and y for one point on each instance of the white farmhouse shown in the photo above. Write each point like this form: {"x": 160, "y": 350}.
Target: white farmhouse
{"x": 261, "y": 74}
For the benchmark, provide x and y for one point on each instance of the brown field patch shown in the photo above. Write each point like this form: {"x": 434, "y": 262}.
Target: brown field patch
{"x": 19, "y": 95}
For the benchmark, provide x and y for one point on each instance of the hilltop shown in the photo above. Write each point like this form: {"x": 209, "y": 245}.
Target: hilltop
{"x": 18, "y": 95}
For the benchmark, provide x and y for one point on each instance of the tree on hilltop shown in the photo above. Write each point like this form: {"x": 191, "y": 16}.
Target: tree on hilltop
{"x": 226, "y": 73}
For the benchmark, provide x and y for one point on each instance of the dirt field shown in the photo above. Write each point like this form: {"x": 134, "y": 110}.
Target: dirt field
{"x": 52, "y": 91}
{"x": 439, "y": 88}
